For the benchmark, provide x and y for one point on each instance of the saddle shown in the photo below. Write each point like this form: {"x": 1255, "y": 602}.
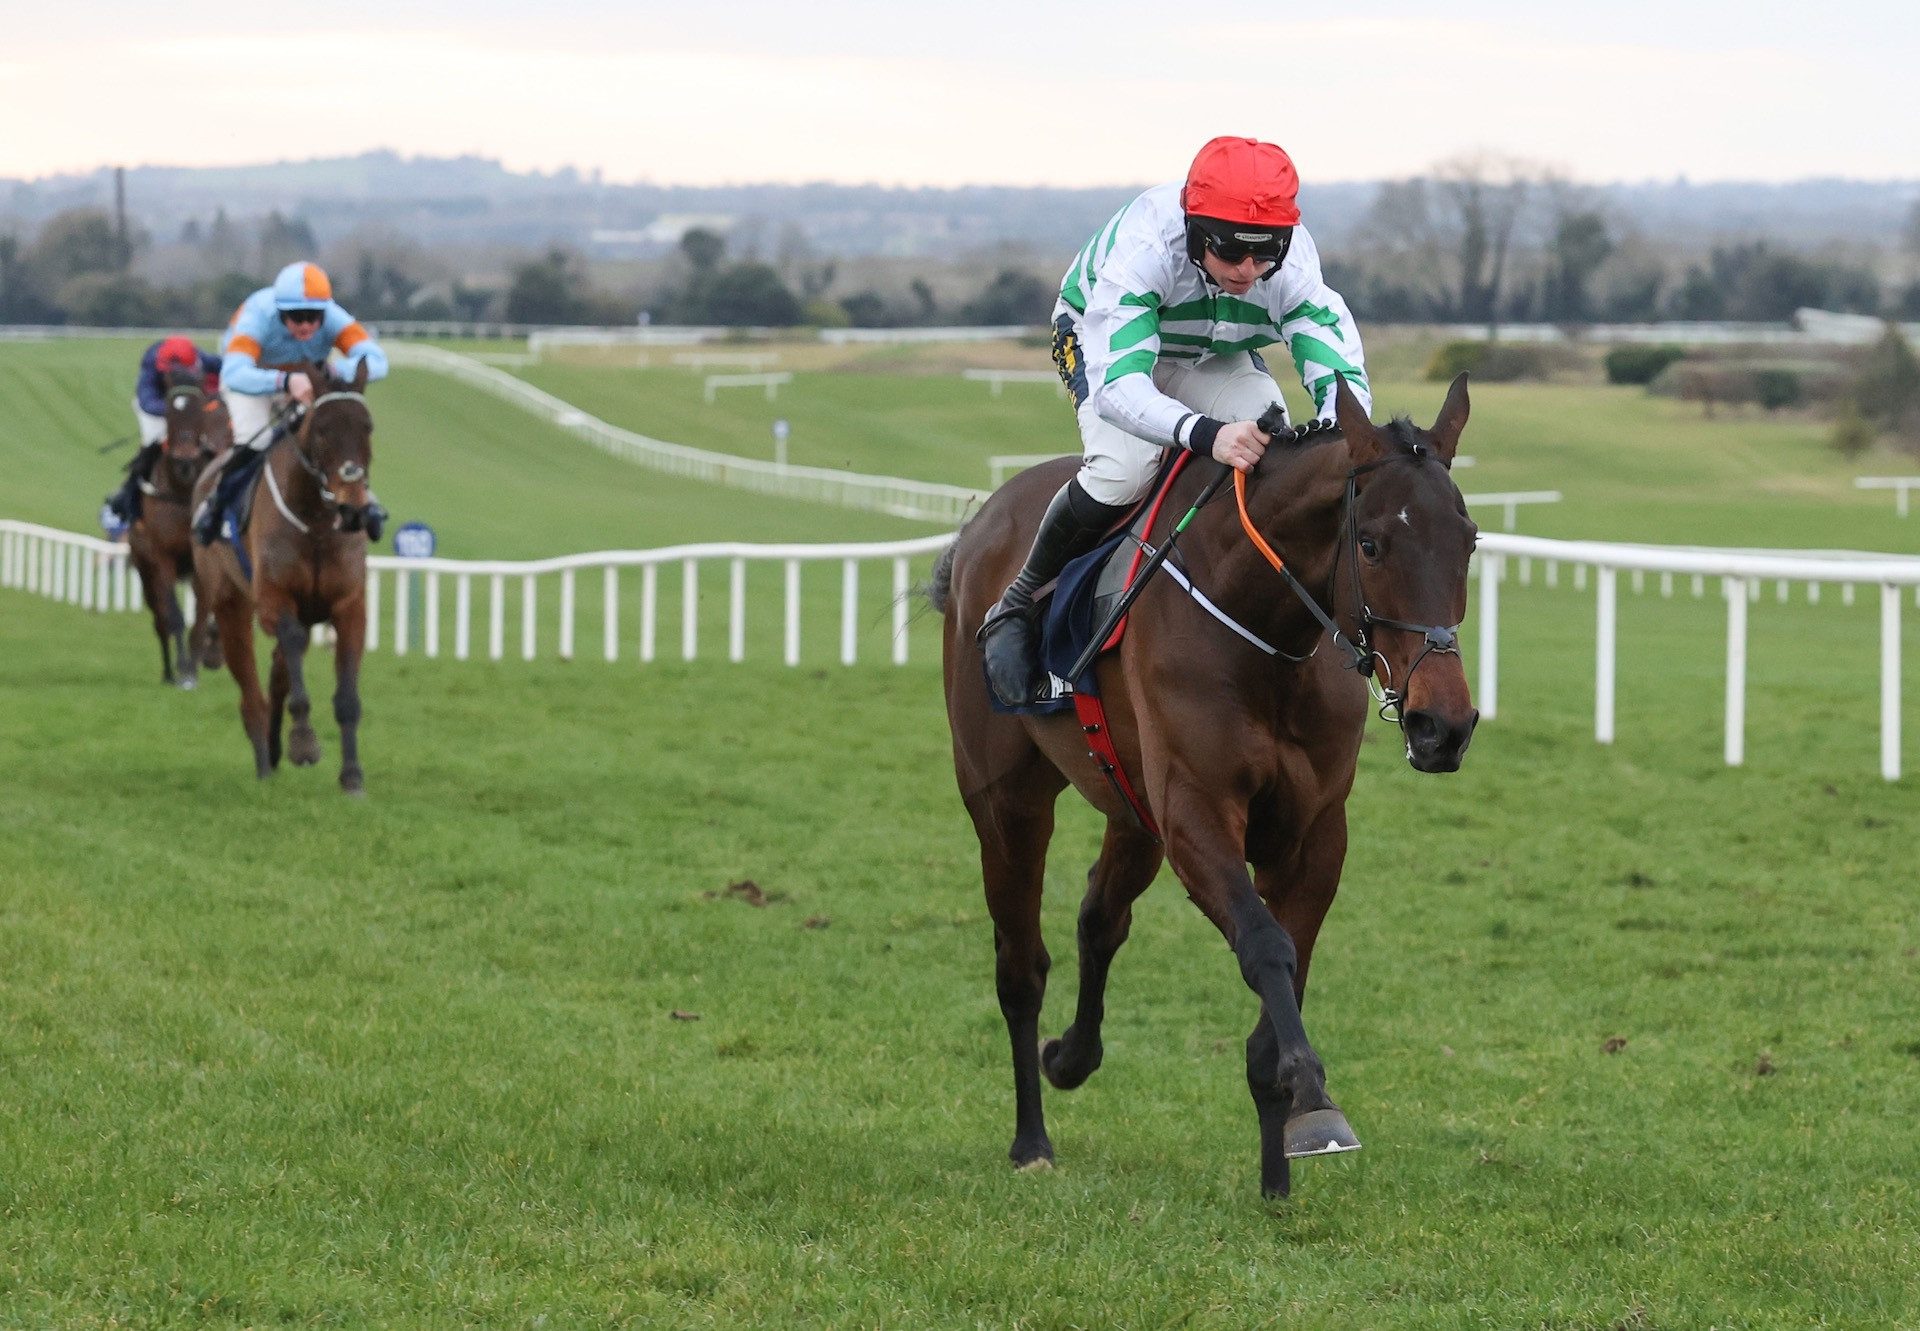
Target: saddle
{"x": 236, "y": 481}
{"x": 1077, "y": 603}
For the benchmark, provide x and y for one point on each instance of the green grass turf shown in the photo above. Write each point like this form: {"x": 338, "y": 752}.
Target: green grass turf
{"x": 1631, "y": 467}
{"x": 279, "y": 1057}
{"x": 493, "y": 481}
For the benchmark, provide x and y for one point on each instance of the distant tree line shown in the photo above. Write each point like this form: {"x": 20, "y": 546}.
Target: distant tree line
{"x": 1485, "y": 241}
{"x": 1491, "y": 240}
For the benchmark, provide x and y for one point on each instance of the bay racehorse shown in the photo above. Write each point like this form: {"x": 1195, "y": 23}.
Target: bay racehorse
{"x": 306, "y": 564}
{"x": 1238, "y": 757}
{"x": 159, "y": 542}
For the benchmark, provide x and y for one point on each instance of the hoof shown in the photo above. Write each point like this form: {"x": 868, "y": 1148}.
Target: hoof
{"x": 188, "y": 684}
{"x": 1319, "y": 1132}
{"x": 303, "y": 748}
{"x": 1037, "y": 1165}
{"x": 1063, "y": 1077}
{"x": 353, "y": 783}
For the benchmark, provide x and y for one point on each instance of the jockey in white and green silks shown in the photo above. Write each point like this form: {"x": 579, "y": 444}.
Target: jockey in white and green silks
{"x": 1157, "y": 334}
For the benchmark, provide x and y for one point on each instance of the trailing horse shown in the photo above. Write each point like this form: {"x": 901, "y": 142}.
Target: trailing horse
{"x": 159, "y": 543}
{"x": 1239, "y": 757}
{"x": 300, "y": 561}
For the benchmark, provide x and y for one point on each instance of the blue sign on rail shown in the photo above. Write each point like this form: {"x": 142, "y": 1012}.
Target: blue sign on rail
{"x": 414, "y": 540}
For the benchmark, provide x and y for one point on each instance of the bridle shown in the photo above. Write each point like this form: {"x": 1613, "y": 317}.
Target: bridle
{"x": 1361, "y": 651}
{"x": 201, "y": 453}
{"x": 346, "y": 517}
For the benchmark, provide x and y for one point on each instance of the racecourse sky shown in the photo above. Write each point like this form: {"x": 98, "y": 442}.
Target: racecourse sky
{"x": 987, "y": 92}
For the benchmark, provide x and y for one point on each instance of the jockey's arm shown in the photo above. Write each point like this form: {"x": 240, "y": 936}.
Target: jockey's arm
{"x": 1318, "y": 330}
{"x": 1121, "y": 331}
{"x": 150, "y": 389}
{"x": 240, "y": 368}
{"x": 355, "y": 345}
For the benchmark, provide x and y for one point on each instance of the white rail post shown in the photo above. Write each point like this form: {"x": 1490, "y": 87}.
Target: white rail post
{"x": 496, "y": 617}
{"x": 1492, "y": 569}
{"x": 433, "y": 614}
{"x": 527, "y": 634}
{"x": 1890, "y": 680}
{"x": 792, "y": 636}
{"x": 373, "y": 609}
{"x": 610, "y": 612}
{"x": 1608, "y": 598}
{"x": 737, "y": 611}
{"x": 32, "y": 583}
{"x": 649, "y": 608}
{"x": 899, "y": 611}
{"x": 566, "y": 614}
{"x": 1735, "y": 590}
{"x": 849, "y": 610}
{"x": 402, "y": 610}
{"x": 59, "y": 554}
{"x": 7, "y": 540}
{"x": 689, "y": 609}
{"x": 88, "y": 562}
{"x": 462, "y": 616}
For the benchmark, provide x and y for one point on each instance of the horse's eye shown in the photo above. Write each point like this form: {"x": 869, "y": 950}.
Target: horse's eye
{"x": 1369, "y": 547}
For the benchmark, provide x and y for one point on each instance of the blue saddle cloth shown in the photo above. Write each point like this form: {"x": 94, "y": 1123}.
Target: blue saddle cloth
{"x": 1070, "y": 616}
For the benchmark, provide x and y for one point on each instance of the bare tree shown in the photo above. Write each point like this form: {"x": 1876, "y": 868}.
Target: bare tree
{"x": 1481, "y": 200}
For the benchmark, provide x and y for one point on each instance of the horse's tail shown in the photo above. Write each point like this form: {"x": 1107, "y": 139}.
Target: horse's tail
{"x": 939, "y": 588}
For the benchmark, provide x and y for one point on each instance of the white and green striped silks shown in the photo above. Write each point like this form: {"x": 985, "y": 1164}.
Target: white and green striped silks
{"x": 1138, "y": 300}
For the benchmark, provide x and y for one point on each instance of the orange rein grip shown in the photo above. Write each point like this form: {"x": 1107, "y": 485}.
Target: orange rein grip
{"x": 1246, "y": 523}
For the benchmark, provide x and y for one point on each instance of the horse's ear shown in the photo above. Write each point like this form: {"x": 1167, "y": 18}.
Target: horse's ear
{"x": 360, "y": 378}
{"x": 1451, "y": 420}
{"x": 1363, "y": 445}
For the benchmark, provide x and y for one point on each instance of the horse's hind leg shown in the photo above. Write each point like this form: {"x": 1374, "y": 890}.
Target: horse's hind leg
{"x": 303, "y": 746}
{"x": 1014, "y": 824}
{"x": 236, "y": 638}
{"x": 1129, "y": 858}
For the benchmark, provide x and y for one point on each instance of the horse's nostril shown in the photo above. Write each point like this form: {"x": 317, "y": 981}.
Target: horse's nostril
{"x": 1422, "y": 730}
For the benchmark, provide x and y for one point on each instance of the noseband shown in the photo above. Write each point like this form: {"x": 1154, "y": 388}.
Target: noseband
{"x": 1361, "y": 651}
{"x": 345, "y": 517}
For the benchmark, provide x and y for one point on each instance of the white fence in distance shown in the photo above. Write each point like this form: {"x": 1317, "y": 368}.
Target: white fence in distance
{"x": 1900, "y": 485}
{"x": 771, "y": 381}
{"x": 996, "y": 380}
{"x": 923, "y": 500}
{"x": 93, "y": 574}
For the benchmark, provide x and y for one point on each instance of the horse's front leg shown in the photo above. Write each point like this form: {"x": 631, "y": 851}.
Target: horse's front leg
{"x": 1129, "y": 858}
{"x": 1206, "y": 845}
{"x": 349, "y": 644}
{"x": 303, "y": 746}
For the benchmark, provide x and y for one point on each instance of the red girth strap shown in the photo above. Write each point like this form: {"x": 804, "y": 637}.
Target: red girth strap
{"x": 1093, "y": 724}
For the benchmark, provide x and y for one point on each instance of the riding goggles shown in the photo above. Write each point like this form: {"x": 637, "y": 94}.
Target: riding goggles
{"x": 1236, "y": 242}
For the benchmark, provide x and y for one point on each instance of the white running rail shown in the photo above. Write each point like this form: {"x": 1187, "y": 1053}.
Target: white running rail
{"x": 93, "y": 574}
{"x": 926, "y": 501}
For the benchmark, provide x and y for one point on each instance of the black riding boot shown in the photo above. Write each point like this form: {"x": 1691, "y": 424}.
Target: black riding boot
{"x": 1074, "y": 523}
{"x": 125, "y": 502}
{"x": 240, "y": 469}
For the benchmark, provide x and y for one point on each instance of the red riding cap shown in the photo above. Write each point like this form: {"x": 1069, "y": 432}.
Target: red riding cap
{"x": 1243, "y": 180}
{"x": 177, "y": 353}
